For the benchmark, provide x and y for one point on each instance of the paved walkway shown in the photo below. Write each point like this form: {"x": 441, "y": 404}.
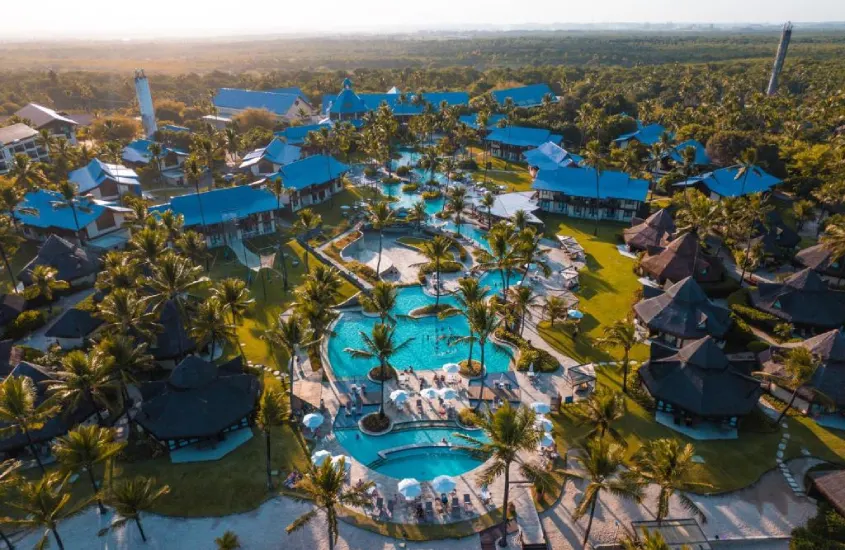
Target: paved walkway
{"x": 38, "y": 338}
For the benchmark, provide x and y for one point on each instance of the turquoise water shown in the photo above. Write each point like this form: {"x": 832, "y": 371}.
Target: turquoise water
{"x": 493, "y": 279}
{"x": 428, "y": 350}
{"x": 422, "y": 464}
{"x": 471, "y": 231}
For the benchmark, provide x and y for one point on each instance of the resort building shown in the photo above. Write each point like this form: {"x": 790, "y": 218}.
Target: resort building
{"x": 74, "y": 328}
{"x": 284, "y": 103}
{"x": 170, "y": 161}
{"x": 199, "y": 403}
{"x": 72, "y": 263}
{"x": 20, "y": 139}
{"x": 572, "y": 191}
{"x": 60, "y": 125}
{"x": 829, "y": 378}
{"x": 524, "y": 96}
{"x": 550, "y": 156}
{"x": 778, "y": 240}
{"x": 270, "y": 159}
{"x": 680, "y": 314}
{"x": 505, "y": 206}
{"x": 820, "y": 259}
{"x": 724, "y": 182}
{"x": 680, "y": 259}
{"x": 511, "y": 142}
{"x": 349, "y": 105}
{"x": 218, "y": 122}
{"x": 654, "y": 231}
{"x": 647, "y": 135}
{"x": 295, "y": 135}
{"x": 94, "y": 223}
{"x": 106, "y": 182}
{"x": 802, "y": 299}
{"x": 701, "y": 156}
{"x": 698, "y": 390}
{"x": 472, "y": 121}
{"x": 311, "y": 181}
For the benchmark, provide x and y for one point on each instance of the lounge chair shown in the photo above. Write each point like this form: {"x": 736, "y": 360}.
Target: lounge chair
{"x": 429, "y": 510}
{"x": 390, "y": 506}
{"x": 379, "y": 505}
{"x": 456, "y": 508}
{"x": 467, "y": 504}
{"x": 420, "y": 407}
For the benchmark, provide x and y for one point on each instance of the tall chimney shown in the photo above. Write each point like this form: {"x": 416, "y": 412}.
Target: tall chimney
{"x": 145, "y": 103}
{"x": 780, "y": 58}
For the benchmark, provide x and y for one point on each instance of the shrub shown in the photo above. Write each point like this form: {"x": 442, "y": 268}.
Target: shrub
{"x": 431, "y": 309}
{"x": 721, "y": 289}
{"x": 403, "y": 171}
{"x": 410, "y": 187}
{"x": 369, "y": 171}
{"x": 25, "y": 323}
{"x": 376, "y": 423}
{"x": 431, "y": 195}
{"x": 468, "y": 370}
{"x": 467, "y": 417}
{"x": 364, "y": 271}
{"x": 421, "y": 277}
{"x": 445, "y": 267}
{"x": 738, "y": 298}
{"x": 542, "y": 359}
{"x": 757, "y": 346}
{"x": 468, "y": 164}
{"x": 390, "y": 179}
{"x": 755, "y": 316}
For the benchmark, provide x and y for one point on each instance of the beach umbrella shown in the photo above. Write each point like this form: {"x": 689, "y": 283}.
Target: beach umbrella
{"x": 398, "y": 396}
{"x": 543, "y": 423}
{"x": 448, "y": 393}
{"x": 547, "y": 440}
{"x": 429, "y": 393}
{"x": 313, "y": 421}
{"x": 347, "y": 466}
{"x": 410, "y": 488}
{"x": 540, "y": 407}
{"x": 320, "y": 456}
{"x": 574, "y": 314}
{"x": 451, "y": 368}
{"x": 531, "y": 368}
{"x": 443, "y": 484}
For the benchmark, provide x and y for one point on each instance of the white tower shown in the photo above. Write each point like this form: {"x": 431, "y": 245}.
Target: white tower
{"x": 145, "y": 102}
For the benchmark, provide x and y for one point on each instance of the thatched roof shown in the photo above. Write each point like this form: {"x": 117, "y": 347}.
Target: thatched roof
{"x": 650, "y": 232}
{"x": 74, "y": 323}
{"x": 675, "y": 262}
{"x": 776, "y": 237}
{"x": 71, "y": 261}
{"x": 819, "y": 259}
{"x": 802, "y": 299}
{"x": 831, "y": 484}
{"x": 699, "y": 379}
{"x": 684, "y": 311}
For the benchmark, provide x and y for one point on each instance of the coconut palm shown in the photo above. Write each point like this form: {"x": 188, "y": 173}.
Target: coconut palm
{"x": 448, "y": 166}
{"x": 193, "y": 173}
{"x": 42, "y": 504}
{"x": 126, "y": 359}
{"x": 418, "y": 214}
{"x": 69, "y": 196}
{"x": 455, "y": 203}
{"x": 193, "y": 246}
{"x": 82, "y": 448}
{"x": 530, "y": 252}
{"x": 555, "y": 309}
{"x": 429, "y": 159}
{"x": 437, "y": 251}
{"x": 12, "y": 199}
{"x": 208, "y": 324}
{"x": 147, "y": 245}
{"x": 125, "y": 313}
{"x": 380, "y": 345}
{"x": 621, "y": 334}
{"x": 381, "y": 300}
{"x": 746, "y": 164}
{"x": 130, "y": 498}
{"x": 380, "y": 215}
{"x": 755, "y": 213}
{"x": 9, "y": 241}
{"x": 20, "y": 413}
{"x": 120, "y": 271}
{"x": 228, "y": 540}
{"x": 272, "y": 411}
{"x": 600, "y": 411}
{"x": 503, "y": 255}
{"x": 26, "y": 174}
{"x": 469, "y": 292}
{"x": 289, "y": 334}
{"x": 511, "y": 435}
{"x": 487, "y": 201}
{"x": 84, "y": 380}
{"x": 595, "y": 159}
{"x": 325, "y": 487}
{"x": 483, "y": 322}
{"x": 172, "y": 224}
{"x": 602, "y": 463}
{"x": 306, "y": 222}
{"x": 155, "y": 150}
{"x": 669, "y": 464}
{"x": 799, "y": 368}
{"x": 235, "y": 298}
{"x": 523, "y": 297}
{"x": 8, "y": 480}
{"x": 43, "y": 283}
{"x": 833, "y": 240}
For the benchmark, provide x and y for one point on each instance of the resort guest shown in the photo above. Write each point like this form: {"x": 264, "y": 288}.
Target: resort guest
{"x": 358, "y": 435}
{"x": 444, "y": 441}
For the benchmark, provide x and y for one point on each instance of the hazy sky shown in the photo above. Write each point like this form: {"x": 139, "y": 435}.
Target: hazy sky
{"x": 99, "y": 18}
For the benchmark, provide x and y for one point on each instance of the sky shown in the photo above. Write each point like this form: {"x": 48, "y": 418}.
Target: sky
{"x": 172, "y": 18}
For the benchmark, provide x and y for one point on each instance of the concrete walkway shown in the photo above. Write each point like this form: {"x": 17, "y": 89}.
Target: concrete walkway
{"x": 38, "y": 338}
{"x": 244, "y": 255}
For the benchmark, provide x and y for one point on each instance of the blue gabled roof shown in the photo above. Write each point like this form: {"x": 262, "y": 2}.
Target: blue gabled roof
{"x": 472, "y": 121}
{"x": 521, "y": 136}
{"x": 50, "y": 213}
{"x": 647, "y": 135}
{"x": 581, "y": 182}
{"x": 96, "y": 172}
{"x": 234, "y": 98}
{"x": 277, "y": 152}
{"x": 524, "y": 96}
{"x": 550, "y": 156}
{"x": 220, "y": 204}
{"x": 295, "y": 135}
{"x": 313, "y": 170}
{"x": 701, "y": 156}
{"x": 724, "y": 181}
{"x": 348, "y": 102}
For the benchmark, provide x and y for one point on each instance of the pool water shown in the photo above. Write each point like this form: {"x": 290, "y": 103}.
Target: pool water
{"x": 423, "y": 464}
{"x": 428, "y": 350}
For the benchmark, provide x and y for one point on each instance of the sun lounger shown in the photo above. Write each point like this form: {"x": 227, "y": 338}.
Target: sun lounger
{"x": 467, "y": 504}
{"x": 456, "y": 508}
{"x": 420, "y": 406}
{"x": 429, "y": 510}
{"x": 379, "y": 504}
{"x": 390, "y": 506}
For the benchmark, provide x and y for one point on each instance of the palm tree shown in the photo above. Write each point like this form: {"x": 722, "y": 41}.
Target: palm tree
{"x": 429, "y": 159}
{"x": 83, "y": 448}
{"x": 120, "y": 271}
{"x": 380, "y": 345}
{"x": 602, "y": 463}
{"x": 84, "y": 380}
{"x": 147, "y": 245}
{"x": 381, "y": 300}
{"x": 126, "y": 358}
{"x": 747, "y": 163}
{"x": 208, "y": 324}
{"x": 228, "y": 540}
{"x": 555, "y": 309}
{"x": 43, "y": 503}
{"x": 456, "y": 202}
{"x": 193, "y": 246}
{"x": 289, "y": 335}
{"x": 272, "y": 411}
{"x": 696, "y": 214}
{"x": 600, "y": 411}
{"x": 19, "y": 412}
{"x": 511, "y": 435}
{"x": 306, "y": 222}
{"x": 155, "y": 150}
{"x": 193, "y": 173}
{"x": 595, "y": 159}
{"x": 418, "y": 214}
{"x": 622, "y": 334}
{"x": 651, "y": 540}
{"x": 172, "y": 225}
{"x": 487, "y": 201}
{"x": 799, "y": 368}
{"x": 437, "y": 251}
{"x": 669, "y": 464}
{"x": 8, "y": 481}
{"x": 26, "y": 174}
{"x": 503, "y": 254}
{"x": 235, "y": 298}
{"x": 530, "y": 251}
{"x": 43, "y": 283}
{"x": 469, "y": 292}
{"x": 70, "y": 197}
{"x": 325, "y": 487}
{"x": 131, "y": 497}
{"x": 448, "y": 166}
{"x": 523, "y": 298}
{"x": 9, "y": 241}
{"x": 232, "y": 140}
{"x": 833, "y": 240}
{"x": 483, "y": 321}
{"x": 380, "y": 215}
{"x": 11, "y": 200}
{"x": 125, "y": 313}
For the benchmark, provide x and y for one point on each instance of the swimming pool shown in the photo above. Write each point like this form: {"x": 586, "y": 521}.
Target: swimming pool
{"x": 426, "y": 352}
{"x": 423, "y": 464}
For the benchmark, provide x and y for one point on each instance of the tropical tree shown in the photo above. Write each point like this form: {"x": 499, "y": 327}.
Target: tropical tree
{"x": 228, "y": 540}
{"x": 8, "y": 480}
{"x": 155, "y": 150}
{"x": 125, "y": 313}
{"x": 487, "y": 201}
{"x": 325, "y": 487}
{"x": 483, "y": 322}
{"x": 804, "y": 211}
{"x": 418, "y": 214}
{"x": 469, "y": 293}
{"x": 26, "y": 174}
{"x": 69, "y": 196}
{"x": 381, "y": 300}
{"x": 131, "y": 497}
{"x": 193, "y": 246}
{"x": 602, "y": 463}
{"x": 746, "y": 164}
{"x": 315, "y": 298}
{"x": 448, "y": 166}
{"x": 208, "y": 324}
{"x": 621, "y": 334}
{"x": 380, "y": 345}
{"x": 668, "y": 463}
{"x": 455, "y": 203}
{"x": 833, "y": 240}
{"x": 235, "y": 298}
{"x": 799, "y": 368}
{"x": 193, "y": 173}
{"x": 511, "y": 435}
{"x": 595, "y": 159}
{"x": 650, "y": 540}
{"x": 172, "y": 224}
{"x": 20, "y": 412}
{"x": 9, "y": 241}
{"x": 523, "y": 297}
{"x": 437, "y": 251}
{"x": 600, "y": 411}
{"x": 82, "y": 448}
{"x": 289, "y": 334}
{"x": 555, "y": 309}
{"x": 43, "y": 283}
{"x": 120, "y": 271}
{"x": 84, "y": 380}
{"x": 306, "y": 222}
{"x": 380, "y": 215}
{"x": 429, "y": 159}
{"x": 272, "y": 411}
{"x": 126, "y": 359}
{"x": 530, "y": 252}
{"x": 147, "y": 245}
{"x": 503, "y": 255}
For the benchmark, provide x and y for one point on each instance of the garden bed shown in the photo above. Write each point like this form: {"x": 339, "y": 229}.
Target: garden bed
{"x": 468, "y": 371}
{"x": 543, "y": 360}
{"x": 375, "y": 423}
{"x": 429, "y": 310}
{"x": 375, "y": 374}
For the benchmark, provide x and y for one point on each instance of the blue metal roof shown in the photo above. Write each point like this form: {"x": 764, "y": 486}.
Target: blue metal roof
{"x": 647, "y": 135}
{"x": 234, "y": 98}
{"x": 220, "y": 204}
{"x": 523, "y": 137}
{"x": 524, "y": 96}
{"x": 313, "y": 170}
{"x": 701, "y": 156}
{"x": 724, "y": 181}
{"x": 175, "y": 128}
{"x": 581, "y": 182}
{"x": 348, "y": 102}
{"x": 277, "y": 152}
{"x": 51, "y": 213}
{"x": 295, "y": 90}
{"x": 472, "y": 121}
{"x": 550, "y": 156}
{"x": 96, "y": 172}
{"x": 295, "y": 135}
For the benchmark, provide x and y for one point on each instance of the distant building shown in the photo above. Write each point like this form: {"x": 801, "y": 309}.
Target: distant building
{"x": 725, "y": 183}
{"x": 170, "y": 160}
{"x": 648, "y": 135}
{"x": 270, "y": 159}
{"x": 44, "y": 118}
{"x": 73, "y": 329}
{"x": 96, "y": 223}
{"x": 681, "y": 258}
{"x": 295, "y": 135}
{"x": 654, "y": 231}
{"x": 349, "y": 105}
{"x": 288, "y": 104}
{"x": 311, "y": 181}
{"x": 104, "y": 181}
{"x": 19, "y": 138}
{"x": 511, "y": 142}
{"x": 701, "y": 156}
{"x": 524, "y": 96}
{"x": 217, "y": 122}
{"x": 550, "y": 156}
{"x": 472, "y": 121}
{"x": 820, "y": 259}
{"x": 802, "y": 299}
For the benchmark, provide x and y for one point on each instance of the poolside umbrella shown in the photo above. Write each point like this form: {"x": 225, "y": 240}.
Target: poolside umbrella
{"x": 313, "y": 421}
{"x": 410, "y": 488}
{"x": 347, "y": 466}
{"x": 547, "y": 440}
{"x": 540, "y": 407}
{"x": 543, "y": 423}
{"x": 430, "y": 393}
{"x": 398, "y": 396}
{"x": 320, "y": 456}
{"x": 451, "y": 368}
{"x": 443, "y": 484}
{"x": 448, "y": 393}
{"x": 574, "y": 314}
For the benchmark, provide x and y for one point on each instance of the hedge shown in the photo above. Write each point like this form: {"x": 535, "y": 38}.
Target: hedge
{"x": 410, "y": 187}
{"x": 431, "y": 195}
{"x": 403, "y": 170}
{"x": 542, "y": 359}
{"x": 25, "y": 323}
{"x": 445, "y": 267}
